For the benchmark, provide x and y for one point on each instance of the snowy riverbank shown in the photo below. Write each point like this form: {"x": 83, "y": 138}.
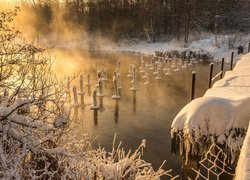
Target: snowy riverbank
{"x": 202, "y": 46}
{"x": 221, "y": 115}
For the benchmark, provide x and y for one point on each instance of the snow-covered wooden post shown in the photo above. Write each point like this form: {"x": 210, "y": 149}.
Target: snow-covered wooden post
{"x": 100, "y": 82}
{"x": 142, "y": 67}
{"x": 88, "y": 84}
{"x": 155, "y": 67}
{"x": 81, "y": 93}
{"x": 158, "y": 77}
{"x": 193, "y": 85}
{"x": 99, "y": 73}
{"x": 130, "y": 71}
{"x": 88, "y": 81}
{"x": 146, "y": 76}
{"x": 119, "y": 79}
{"x": 151, "y": 66}
{"x": 222, "y": 68}
{"x": 232, "y": 61}
{"x": 94, "y": 106}
{"x": 147, "y": 79}
{"x": 105, "y": 75}
{"x": 133, "y": 88}
{"x": 165, "y": 65}
{"x": 210, "y": 75}
{"x": 75, "y": 103}
{"x": 116, "y": 96}
{"x": 118, "y": 75}
{"x": 68, "y": 90}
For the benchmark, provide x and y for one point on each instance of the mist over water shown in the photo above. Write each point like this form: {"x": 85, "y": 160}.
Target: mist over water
{"x": 146, "y": 114}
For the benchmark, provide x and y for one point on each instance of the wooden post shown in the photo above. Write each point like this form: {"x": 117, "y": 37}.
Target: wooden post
{"x": 248, "y": 47}
{"x": 232, "y": 61}
{"x": 222, "y": 67}
{"x": 193, "y": 85}
{"x": 210, "y": 75}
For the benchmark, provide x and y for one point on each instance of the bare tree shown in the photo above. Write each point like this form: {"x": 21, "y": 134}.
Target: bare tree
{"x": 31, "y": 113}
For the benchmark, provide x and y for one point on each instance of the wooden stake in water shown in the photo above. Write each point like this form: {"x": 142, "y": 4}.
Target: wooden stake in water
{"x": 94, "y": 106}
{"x": 222, "y": 67}
{"x": 119, "y": 78}
{"x": 88, "y": 80}
{"x": 210, "y": 75}
{"x": 142, "y": 63}
{"x": 116, "y": 96}
{"x": 76, "y": 103}
{"x": 133, "y": 88}
{"x": 158, "y": 77}
{"x": 81, "y": 93}
{"x": 145, "y": 71}
{"x": 99, "y": 73}
{"x": 142, "y": 68}
{"x": 232, "y": 61}
{"x": 100, "y": 82}
{"x": 151, "y": 66}
{"x": 193, "y": 85}
{"x": 155, "y": 68}
{"x": 130, "y": 71}
{"x": 105, "y": 74}
{"x": 147, "y": 79}
{"x": 118, "y": 67}
{"x": 68, "y": 90}
{"x": 165, "y": 65}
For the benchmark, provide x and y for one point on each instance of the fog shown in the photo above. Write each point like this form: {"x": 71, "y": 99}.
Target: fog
{"x": 68, "y": 44}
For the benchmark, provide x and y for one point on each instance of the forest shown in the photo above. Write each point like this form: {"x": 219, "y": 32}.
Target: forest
{"x": 145, "y": 19}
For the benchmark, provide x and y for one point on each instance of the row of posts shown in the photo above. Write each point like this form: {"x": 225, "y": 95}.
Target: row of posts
{"x": 211, "y": 78}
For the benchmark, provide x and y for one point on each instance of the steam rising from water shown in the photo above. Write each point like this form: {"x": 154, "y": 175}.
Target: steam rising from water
{"x": 67, "y": 39}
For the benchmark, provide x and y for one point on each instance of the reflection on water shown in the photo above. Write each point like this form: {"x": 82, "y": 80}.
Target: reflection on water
{"x": 101, "y": 103}
{"x": 134, "y": 102}
{"x": 143, "y": 114}
{"x": 116, "y": 111}
{"x": 95, "y": 116}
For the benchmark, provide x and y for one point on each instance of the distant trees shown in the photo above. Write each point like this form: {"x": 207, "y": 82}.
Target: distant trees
{"x": 158, "y": 18}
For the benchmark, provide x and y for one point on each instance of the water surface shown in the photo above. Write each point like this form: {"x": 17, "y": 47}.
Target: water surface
{"x": 145, "y": 114}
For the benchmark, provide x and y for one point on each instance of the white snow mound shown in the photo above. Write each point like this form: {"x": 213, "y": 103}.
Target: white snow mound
{"x": 221, "y": 114}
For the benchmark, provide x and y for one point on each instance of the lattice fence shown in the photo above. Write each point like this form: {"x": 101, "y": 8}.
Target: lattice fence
{"x": 213, "y": 165}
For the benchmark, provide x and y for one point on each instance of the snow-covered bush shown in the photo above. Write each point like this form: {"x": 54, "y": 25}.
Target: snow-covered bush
{"x": 29, "y": 107}
{"x": 33, "y": 122}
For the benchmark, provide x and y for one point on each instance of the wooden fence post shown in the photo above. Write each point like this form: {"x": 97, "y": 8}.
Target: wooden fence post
{"x": 210, "y": 75}
{"x": 232, "y": 61}
{"x": 193, "y": 85}
{"x": 222, "y": 67}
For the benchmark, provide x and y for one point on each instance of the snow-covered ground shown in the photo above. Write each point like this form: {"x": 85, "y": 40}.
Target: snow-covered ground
{"x": 221, "y": 115}
{"x": 203, "y": 46}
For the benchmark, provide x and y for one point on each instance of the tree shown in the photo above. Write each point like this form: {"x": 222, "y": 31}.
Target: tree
{"x": 31, "y": 109}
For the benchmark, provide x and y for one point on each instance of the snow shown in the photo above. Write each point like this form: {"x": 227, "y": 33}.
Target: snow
{"x": 243, "y": 166}
{"x": 203, "y": 46}
{"x": 221, "y": 110}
